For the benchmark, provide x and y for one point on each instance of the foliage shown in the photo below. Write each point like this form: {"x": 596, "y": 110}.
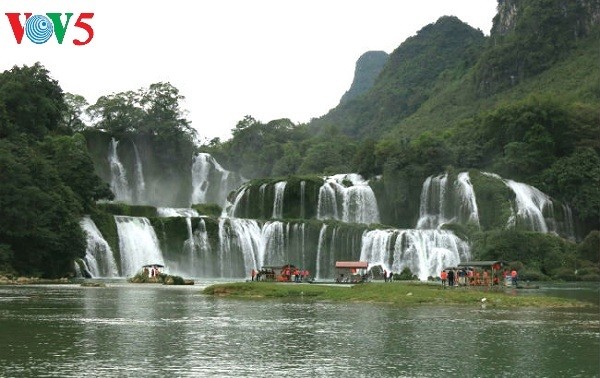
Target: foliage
{"x": 208, "y": 209}
{"x": 117, "y": 208}
{"x": 589, "y": 248}
{"x": 39, "y": 214}
{"x": 546, "y": 253}
{"x": 148, "y": 111}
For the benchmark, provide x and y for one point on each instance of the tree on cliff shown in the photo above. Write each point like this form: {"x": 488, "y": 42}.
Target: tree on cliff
{"x": 47, "y": 177}
{"x": 153, "y": 111}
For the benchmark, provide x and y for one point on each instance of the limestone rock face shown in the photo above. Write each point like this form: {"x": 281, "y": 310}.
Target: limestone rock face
{"x": 368, "y": 67}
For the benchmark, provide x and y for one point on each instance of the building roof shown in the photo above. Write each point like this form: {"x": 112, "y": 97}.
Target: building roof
{"x": 352, "y": 264}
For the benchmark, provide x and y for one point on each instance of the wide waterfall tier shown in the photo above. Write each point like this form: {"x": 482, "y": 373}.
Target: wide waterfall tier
{"x": 211, "y": 183}
{"x": 447, "y": 201}
{"x": 99, "y": 260}
{"x": 209, "y": 247}
{"x": 488, "y": 201}
{"x": 424, "y": 252}
{"x": 247, "y": 244}
{"x": 345, "y": 197}
{"x": 138, "y": 244}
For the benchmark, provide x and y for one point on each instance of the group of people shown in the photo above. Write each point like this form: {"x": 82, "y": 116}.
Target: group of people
{"x": 288, "y": 274}
{"x": 474, "y": 277}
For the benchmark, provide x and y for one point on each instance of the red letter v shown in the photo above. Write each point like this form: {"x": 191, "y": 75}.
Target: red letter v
{"x": 17, "y": 28}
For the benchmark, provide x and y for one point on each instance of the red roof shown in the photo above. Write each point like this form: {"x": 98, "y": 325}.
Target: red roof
{"x": 352, "y": 264}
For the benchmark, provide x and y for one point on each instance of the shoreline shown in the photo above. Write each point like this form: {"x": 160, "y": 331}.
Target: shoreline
{"x": 408, "y": 293}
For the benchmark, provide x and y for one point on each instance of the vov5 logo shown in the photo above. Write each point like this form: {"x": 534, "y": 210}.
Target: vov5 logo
{"x": 40, "y": 28}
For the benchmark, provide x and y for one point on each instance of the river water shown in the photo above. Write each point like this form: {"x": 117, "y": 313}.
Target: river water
{"x": 126, "y": 330}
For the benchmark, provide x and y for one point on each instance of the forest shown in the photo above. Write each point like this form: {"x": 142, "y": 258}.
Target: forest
{"x": 523, "y": 103}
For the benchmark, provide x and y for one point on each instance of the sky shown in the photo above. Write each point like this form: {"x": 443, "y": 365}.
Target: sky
{"x": 269, "y": 59}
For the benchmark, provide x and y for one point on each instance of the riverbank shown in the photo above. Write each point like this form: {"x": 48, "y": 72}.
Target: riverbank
{"x": 396, "y": 293}
{"x": 33, "y": 281}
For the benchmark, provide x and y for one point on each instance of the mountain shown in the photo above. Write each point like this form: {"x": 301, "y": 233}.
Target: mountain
{"x": 368, "y": 67}
{"x": 449, "y": 71}
{"x": 448, "y": 46}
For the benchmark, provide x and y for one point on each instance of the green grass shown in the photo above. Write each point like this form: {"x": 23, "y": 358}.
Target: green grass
{"x": 396, "y": 293}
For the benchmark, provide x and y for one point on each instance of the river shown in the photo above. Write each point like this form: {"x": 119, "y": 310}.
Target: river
{"x": 127, "y": 330}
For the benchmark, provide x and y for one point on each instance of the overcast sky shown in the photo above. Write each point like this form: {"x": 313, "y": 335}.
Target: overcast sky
{"x": 266, "y": 58}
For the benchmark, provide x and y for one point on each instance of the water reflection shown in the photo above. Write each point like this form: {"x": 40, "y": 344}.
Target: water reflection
{"x": 125, "y": 330}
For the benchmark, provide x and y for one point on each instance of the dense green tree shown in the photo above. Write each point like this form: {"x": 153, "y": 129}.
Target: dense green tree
{"x": 32, "y": 102}
{"x": 70, "y": 156}
{"x": 76, "y": 106}
{"x": 39, "y": 215}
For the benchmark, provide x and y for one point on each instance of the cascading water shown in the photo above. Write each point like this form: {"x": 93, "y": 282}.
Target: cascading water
{"x": 211, "y": 183}
{"x": 468, "y": 212}
{"x": 302, "y": 199}
{"x": 138, "y": 244}
{"x": 278, "y": 200}
{"x": 99, "y": 258}
{"x": 140, "y": 188}
{"x": 443, "y": 203}
{"x": 424, "y": 252}
{"x": 118, "y": 176}
{"x": 356, "y": 203}
{"x": 530, "y": 204}
{"x": 534, "y": 210}
{"x": 320, "y": 248}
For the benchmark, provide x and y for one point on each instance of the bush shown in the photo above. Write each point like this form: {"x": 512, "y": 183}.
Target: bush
{"x": 211, "y": 209}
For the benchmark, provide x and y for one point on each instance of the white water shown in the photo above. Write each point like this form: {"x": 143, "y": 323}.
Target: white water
{"x": 99, "y": 258}
{"x": 169, "y": 212}
{"x": 534, "y": 210}
{"x": 358, "y": 203}
{"x": 118, "y": 177}
{"x": 302, "y": 199}
{"x": 211, "y": 183}
{"x": 443, "y": 203}
{"x": 140, "y": 189}
{"x": 320, "y": 248}
{"x": 468, "y": 201}
{"x": 138, "y": 244}
{"x": 278, "y": 200}
{"x": 530, "y": 203}
{"x": 424, "y": 252}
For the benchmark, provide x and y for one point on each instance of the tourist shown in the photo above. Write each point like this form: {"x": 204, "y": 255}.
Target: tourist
{"x": 514, "y": 277}
{"x": 486, "y": 277}
{"x": 385, "y": 275}
{"x": 451, "y": 277}
{"x": 444, "y": 276}
{"x": 253, "y": 274}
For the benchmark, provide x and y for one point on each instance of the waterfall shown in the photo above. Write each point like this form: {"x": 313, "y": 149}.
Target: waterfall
{"x": 261, "y": 193}
{"x": 99, "y": 258}
{"x": 211, "y": 183}
{"x": 444, "y": 203}
{"x": 433, "y": 200}
{"x": 424, "y": 252}
{"x": 534, "y": 210}
{"x": 139, "y": 178}
{"x": 530, "y": 204}
{"x": 320, "y": 247}
{"x": 302, "y": 199}
{"x": 138, "y": 244}
{"x": 275, "y": 251}
{"x": 118, "y": 176}
{"x": 353, "y": 194}
{"x": 200, "y": 171}
{"x": 327, "y": 205}
{"x": 278, "y": 200}
{"x": 241, "y": 247}
{"x": 169, "y": 212}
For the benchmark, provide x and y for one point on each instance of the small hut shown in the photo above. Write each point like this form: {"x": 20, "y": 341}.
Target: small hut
{"x": 492, "y": 268}
{"x": 350, "y": 271}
